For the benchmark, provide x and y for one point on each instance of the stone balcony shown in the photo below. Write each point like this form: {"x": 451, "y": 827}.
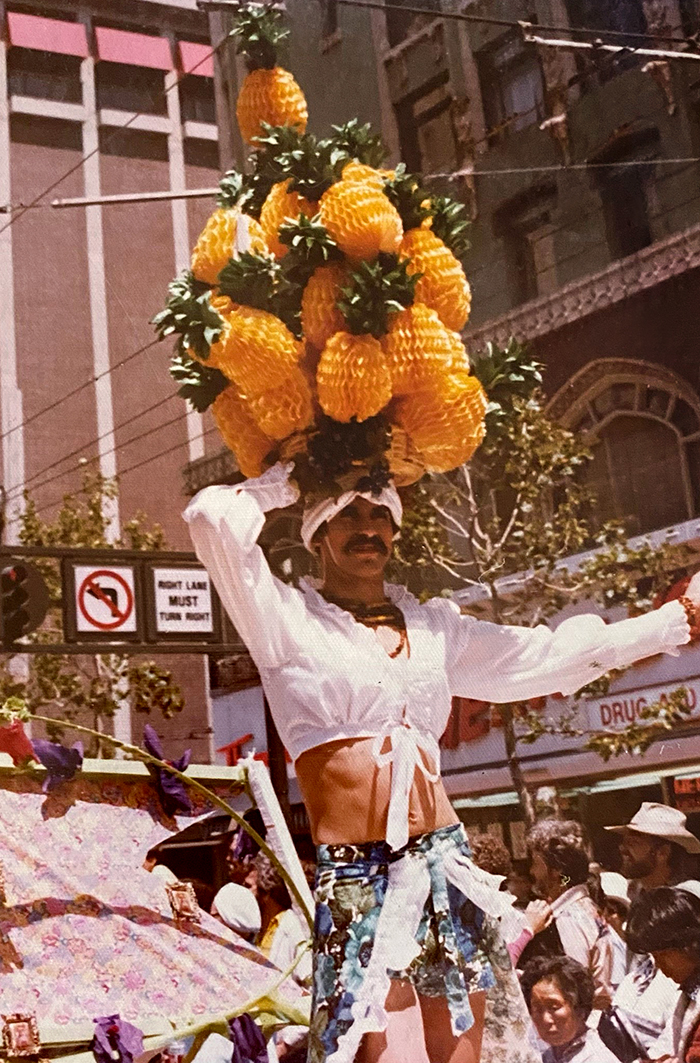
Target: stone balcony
{"x": 667, "y": 258}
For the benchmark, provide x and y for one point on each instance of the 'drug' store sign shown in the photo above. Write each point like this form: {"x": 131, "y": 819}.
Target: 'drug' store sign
{"x": 616, "y": 711}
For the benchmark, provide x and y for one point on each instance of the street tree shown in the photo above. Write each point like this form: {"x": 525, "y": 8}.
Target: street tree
{"x": 518, "y": 526}
{"x": 85, "y": 688}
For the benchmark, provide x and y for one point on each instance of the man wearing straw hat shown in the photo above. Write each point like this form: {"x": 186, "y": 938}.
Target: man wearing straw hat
{"x": 656, "y": 849}
{"x": 359, "y": 676}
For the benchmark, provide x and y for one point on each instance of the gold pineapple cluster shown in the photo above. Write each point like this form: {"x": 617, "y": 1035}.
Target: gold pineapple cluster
{"x": 327, "y": 291}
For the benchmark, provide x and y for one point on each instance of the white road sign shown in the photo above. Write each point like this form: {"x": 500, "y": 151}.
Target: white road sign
{"x": 104, "y": 599}
{"x": 182, "y": 601}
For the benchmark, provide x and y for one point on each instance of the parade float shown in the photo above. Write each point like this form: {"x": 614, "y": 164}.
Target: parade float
{"x": 320, "y": 319}
{"x": 99, "y": 959}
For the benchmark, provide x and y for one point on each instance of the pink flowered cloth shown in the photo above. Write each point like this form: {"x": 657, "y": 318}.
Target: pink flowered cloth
{"x": 85, "y": 931}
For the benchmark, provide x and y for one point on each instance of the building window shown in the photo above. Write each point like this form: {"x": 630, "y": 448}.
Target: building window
{"x": 512, "y": 86}
{"x": 625, "y": 15}
{"x": 122, "y": 87}
{"x": 602, "y": 15}
{"x": 624, "y": 194}
{"x": 690, "y": 17}
{"x": 197, "y": 102}
{"x": 643, "y": 426}
{"x": 329, "y": 20}
{"x": 426, "y": 129}
{"x": 525, "y": 228}
{"x": 400, "y": 25}
{"x": 44, "y": 75}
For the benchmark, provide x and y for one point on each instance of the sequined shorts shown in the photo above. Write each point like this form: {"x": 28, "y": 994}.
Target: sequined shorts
{"x": 449, "y": 955}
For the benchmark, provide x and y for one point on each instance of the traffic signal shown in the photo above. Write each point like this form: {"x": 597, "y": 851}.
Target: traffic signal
{"x": 24, "y": 601}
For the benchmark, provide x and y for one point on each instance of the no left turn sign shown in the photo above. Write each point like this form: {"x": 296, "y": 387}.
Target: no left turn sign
{"x": 105, "y": 599}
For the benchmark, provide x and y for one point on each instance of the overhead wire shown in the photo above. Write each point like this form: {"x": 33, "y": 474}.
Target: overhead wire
{"x": 144, "y": 461}
{"x": 90, "y": 443}
{"x": 504, "y": 23}
{"x": 81, "y": 387}
{"x": 24, "y": 208}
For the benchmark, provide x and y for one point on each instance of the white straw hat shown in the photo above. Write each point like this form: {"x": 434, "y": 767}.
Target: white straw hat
{"x": 662, "y": 821}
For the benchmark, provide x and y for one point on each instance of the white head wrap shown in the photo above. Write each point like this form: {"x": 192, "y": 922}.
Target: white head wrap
{"x": 318, "y": 513}
{"x": 238, "y": 908}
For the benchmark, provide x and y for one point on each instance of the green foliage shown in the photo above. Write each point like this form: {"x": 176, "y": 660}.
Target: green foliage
{"x": 409, "y": 197}
{"x": 260, "y": 32}
{"x": 189, "y": 315}
{"x": 508, "y": 374}
{"x": 75, "y": 687}
{"x": 151, "y": 688}
{"x": 451, "y": 223}
{"x": 199, "y": 384}
{"x": 357, "y": 141}
{"x": 376, "y": 290}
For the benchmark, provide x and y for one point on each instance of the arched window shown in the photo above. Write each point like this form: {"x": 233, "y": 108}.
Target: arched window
{"x": 642, "y": 423}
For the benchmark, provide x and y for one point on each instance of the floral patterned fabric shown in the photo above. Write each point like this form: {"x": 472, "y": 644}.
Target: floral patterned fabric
{"x": 85, "y": 931}
{"x": 351, "y": 887}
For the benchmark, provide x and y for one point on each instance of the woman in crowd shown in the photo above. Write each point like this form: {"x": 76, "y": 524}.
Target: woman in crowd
{"x": 559, "y": 867}
{"x": 559, "y": 994}
{"x": 666, "y": 923}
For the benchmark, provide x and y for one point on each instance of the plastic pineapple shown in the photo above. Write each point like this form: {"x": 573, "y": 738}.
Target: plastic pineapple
{"x": 321, "y": 316}
{"x": 269, "y": 95}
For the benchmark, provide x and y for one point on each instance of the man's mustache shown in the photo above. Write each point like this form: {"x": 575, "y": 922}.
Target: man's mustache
{"x": 359, "y": 541}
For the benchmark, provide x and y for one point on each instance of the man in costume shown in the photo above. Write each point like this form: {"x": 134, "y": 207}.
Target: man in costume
{"x": 359, "y": 676}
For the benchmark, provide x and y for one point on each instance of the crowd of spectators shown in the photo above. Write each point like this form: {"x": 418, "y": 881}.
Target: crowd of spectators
{"x": 609, "y": 960}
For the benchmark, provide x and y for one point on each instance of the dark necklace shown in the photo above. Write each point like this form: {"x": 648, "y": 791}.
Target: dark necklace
{"x": 382, "y": 614}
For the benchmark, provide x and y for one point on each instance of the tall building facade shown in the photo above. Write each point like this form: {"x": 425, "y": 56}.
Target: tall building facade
{"x": 97, "y": 100}
{"x": 581, "y": 171}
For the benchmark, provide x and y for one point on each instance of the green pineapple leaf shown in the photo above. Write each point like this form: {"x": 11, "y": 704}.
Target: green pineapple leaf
{"x": 250, "y": 279}
{"x": 260, "y": 32}
{"x": 376, "y": 290}
{"x": 451, "y": 224}
{"x": 230, "y": 189}
{"x": 199, "y": 384}
{"x": 189, "y": 315}
{"x": 309, "y": 242}
{"x": 357, "y": 141}
{"x": 409, "y": 197}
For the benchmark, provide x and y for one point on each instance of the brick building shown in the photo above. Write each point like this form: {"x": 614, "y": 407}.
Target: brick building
{"x": 109, "y": 83}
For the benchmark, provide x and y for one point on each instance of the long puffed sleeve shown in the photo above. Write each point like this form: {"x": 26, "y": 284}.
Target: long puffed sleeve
{"x": 501, "y": 663}
{"x": 225, "y": 523}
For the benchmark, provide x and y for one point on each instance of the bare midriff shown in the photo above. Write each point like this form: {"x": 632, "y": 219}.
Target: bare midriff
{"x": 347, "y": 793}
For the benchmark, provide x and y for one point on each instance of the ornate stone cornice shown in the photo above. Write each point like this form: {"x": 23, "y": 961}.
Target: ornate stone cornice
{"x": 659, "y": 262}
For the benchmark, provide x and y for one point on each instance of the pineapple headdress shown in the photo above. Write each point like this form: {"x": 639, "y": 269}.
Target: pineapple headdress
{"x": 321, "y": 316}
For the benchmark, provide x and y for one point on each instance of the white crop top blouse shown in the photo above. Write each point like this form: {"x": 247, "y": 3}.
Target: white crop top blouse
{"x": 327, "y": 677}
